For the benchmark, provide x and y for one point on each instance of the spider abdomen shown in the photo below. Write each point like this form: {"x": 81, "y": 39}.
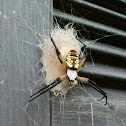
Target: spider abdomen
{"x": 72, "y": 60}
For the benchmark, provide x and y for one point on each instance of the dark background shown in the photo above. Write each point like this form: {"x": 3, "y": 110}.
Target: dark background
{"x": 102, "y": 23}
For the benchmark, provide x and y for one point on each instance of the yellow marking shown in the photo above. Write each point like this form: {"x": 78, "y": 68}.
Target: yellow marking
{"x": 76, "y": 66}
{"x": 72, "y": 59}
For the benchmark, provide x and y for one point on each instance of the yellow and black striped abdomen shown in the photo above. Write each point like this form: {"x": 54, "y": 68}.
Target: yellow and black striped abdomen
{"x": 72, "y": 60}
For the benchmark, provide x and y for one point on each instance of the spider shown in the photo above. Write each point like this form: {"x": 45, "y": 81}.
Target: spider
{"x": 72, "y": 67}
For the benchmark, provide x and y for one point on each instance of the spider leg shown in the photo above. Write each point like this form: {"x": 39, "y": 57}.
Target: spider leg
{"x": 48, "y": 87}
{"x": 83, "y": 55}
{"x": 83, "y": 52}
{"x": 58, "y": 53}
{"x": 94, "y": 85}
{"x": 81, "y": 64}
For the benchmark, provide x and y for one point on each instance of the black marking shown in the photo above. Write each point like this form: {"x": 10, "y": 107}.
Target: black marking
{"x": 73, "y": 51}
{"x": 74, "y": 55}
{"x": 72, "y": 68}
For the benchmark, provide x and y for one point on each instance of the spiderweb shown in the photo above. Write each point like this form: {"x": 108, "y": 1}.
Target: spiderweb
{"x": 21, "y": 23}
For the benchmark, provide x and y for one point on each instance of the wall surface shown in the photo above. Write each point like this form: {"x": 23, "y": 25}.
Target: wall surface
{"x": 20, "y": 76}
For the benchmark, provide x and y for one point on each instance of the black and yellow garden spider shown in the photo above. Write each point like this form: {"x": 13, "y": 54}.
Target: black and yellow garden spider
{"x": 72, "y": 67}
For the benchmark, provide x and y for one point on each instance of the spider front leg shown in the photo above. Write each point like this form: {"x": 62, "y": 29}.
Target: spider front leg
{"x": 48, "y": 87}
{"x": 81, "y": 64}
{"x": 58, "y": 53}
{"x": 94, "y": 85}
{"x": 83, "y": 55}
{"x": 83, "y": 52}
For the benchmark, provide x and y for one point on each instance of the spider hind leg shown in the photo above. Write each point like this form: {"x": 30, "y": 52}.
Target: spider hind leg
{"x": 94, "y": 85}
{"x": 48, "y": 87}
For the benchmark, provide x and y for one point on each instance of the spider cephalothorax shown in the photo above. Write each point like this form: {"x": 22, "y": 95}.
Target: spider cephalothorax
{"x": 72, "y": 67}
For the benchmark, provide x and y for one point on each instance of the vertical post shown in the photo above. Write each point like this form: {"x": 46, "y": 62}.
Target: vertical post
{"x": 20, "y": 75}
